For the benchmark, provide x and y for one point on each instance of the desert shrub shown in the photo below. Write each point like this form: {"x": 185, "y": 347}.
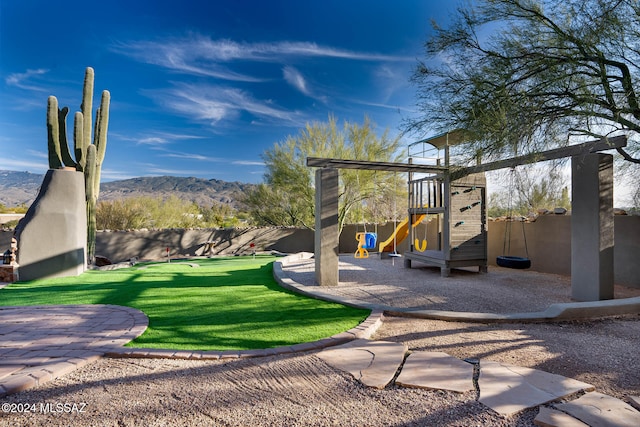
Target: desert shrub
{"x": 147, "y": 212}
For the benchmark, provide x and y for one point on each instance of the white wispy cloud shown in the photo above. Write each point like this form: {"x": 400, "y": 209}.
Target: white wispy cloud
{"x": 152, "y": 140}
{"x": 201, "y": 55}
{"x": 247, "y": 163}
{"x": 193, "y": 156}
{"x": 185, "y": 156}
{"x": 215, "y": 103}
{"x": 392, "y": 79}
{"x": 156, "y": 139}
{"x": 115, "y": 175}
{"x": 23, "y": 165}
{"x": 23, "y": 80}
{"x": 295, "y": 79}
{"x": 39, "y": 154}
{"x": 155, "y": 171}
{"x": 385, "y": 105}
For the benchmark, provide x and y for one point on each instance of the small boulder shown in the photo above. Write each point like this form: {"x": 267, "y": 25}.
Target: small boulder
{"x": 559, "y": 211}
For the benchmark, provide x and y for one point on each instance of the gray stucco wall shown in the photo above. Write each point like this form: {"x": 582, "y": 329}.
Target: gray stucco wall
{"x": 52, "y": 237}
{"x": 548, "y": 241}
{"x": 549, "y": 244}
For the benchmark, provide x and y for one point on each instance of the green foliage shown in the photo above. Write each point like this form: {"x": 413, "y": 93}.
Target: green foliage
{"x": 10, "y": 225}
{"x": 287, "y": 195}
{"x": 523, "y": 75}
{"x": 220, "y": 215}
{"x": 224, "y": 304}
{"x": 147, "y": 212}
{"x": 530, "y": 189}
{"x": 156, "y": 213}
{"x": 16, "y": 209}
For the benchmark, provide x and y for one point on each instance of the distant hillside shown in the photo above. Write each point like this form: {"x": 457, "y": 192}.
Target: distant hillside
{"x": 22, "y": 187}
{"x": 17, "y": 188}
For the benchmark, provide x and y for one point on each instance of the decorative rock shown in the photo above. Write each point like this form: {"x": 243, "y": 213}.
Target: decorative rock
{"x": 560, "y": 211}
{"x": 373, "y": 363}
{"x": 599, "y": 410}
{"x": 436, "y": 371}
{"x": 618, "y": 211}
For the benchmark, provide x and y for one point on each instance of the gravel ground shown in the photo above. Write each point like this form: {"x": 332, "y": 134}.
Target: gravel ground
{"x": 301, "y": 390}
{"x": 387, "y": 282}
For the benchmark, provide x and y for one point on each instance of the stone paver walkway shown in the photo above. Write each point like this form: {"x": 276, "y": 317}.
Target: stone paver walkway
{"x": 373, "y": 363}
{"x": 506, "y": 389}
{"x": 40, "y": 343}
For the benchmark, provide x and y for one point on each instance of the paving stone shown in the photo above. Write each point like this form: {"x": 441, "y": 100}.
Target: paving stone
{"x": 50, "y": 341}
{"x": 510, "y": 389}
{"x": 436, "y": 371}
{"x": 551, "y": 383}
{"x": 6, "y": 370}
{"x": 41, "y": 375}
{"x": 17, "y": 383}
{"x": 374, "y": 363}
{"x": 548, "y": 417}
{"x": 600, "y": 410}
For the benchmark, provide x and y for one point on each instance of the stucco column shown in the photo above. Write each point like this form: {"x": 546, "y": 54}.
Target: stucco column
{"x": 326, "y": 235}
{"x": 592, "y": 227}
{"x": 52, "y": 237}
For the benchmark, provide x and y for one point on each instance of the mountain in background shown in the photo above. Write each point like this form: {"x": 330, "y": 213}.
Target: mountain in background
{"x": 18, "y": 188}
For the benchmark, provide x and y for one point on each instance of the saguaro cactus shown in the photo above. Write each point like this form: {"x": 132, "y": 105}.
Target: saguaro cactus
{"x": 59, "y": 155}
{"x": 89, "y": 154}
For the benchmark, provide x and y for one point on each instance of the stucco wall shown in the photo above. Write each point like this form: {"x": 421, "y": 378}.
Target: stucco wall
{"x": 152, "y": 244}
{"x": 549, "y": 244}
{"x": 52, "y": 237}
{"x": 548, "y": 241}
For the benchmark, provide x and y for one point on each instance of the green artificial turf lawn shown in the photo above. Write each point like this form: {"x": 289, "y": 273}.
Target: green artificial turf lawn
{"x": 223, "y": 304}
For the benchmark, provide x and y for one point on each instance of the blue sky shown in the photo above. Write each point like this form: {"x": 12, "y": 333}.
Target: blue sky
{"x": 202, "y": 88}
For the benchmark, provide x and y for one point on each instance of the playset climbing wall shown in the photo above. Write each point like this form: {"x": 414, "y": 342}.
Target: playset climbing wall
{"x": 460, "y": 207}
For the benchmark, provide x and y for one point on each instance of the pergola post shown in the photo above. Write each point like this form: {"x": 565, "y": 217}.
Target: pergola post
{"x": 326, "y": 222}
{"x": 592, "y": 227}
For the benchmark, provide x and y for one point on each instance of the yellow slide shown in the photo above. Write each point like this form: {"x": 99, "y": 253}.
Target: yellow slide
{"x": 401, "y": 232}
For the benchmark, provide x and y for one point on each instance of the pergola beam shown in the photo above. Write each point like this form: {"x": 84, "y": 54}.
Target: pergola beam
{"x": 557, "y": 153}
{"x": 319, "y": 162}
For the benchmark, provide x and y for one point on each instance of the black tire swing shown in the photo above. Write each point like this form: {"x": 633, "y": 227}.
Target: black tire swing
{"x": 508, "y": 261}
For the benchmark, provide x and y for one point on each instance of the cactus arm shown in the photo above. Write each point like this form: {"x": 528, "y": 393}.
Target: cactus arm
{"x": 77, "y": 141}
{"x": 86, "y": 107}
{"x": 64, "y": 145}
{"x": 53, "y": 133}
{"x": 100, "y": 137}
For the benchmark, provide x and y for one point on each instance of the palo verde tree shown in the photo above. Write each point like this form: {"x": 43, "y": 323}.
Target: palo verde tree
{"x": 287, "y": 196}
{"x": 523, "y": 75}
